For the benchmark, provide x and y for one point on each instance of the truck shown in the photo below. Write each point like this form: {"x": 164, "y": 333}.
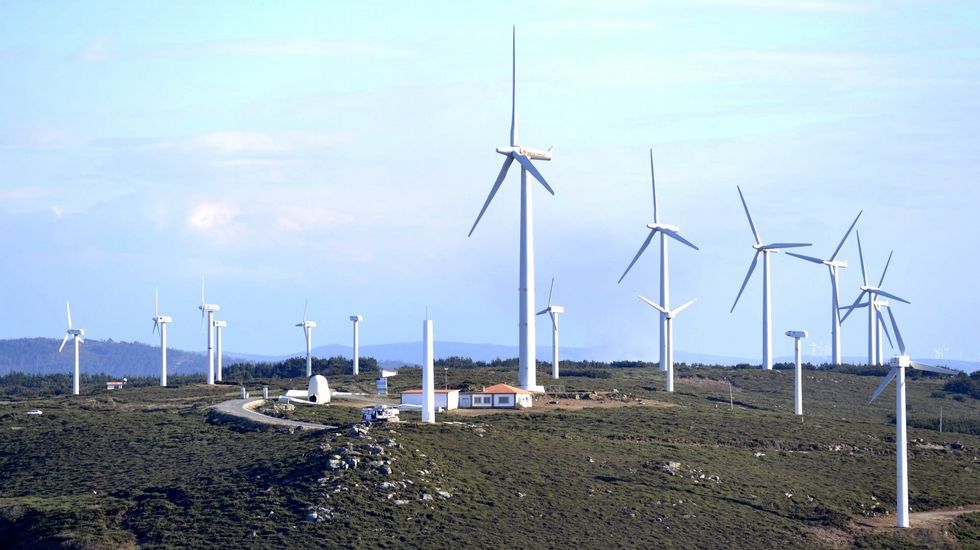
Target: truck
{"x": 379, "y": 413}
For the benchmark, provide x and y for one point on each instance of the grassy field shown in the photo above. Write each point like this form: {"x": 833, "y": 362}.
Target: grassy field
{"x": 629, "y": 465}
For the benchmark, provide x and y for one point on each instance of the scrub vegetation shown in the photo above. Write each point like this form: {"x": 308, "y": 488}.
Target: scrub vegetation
{"x": 152, "y": 467}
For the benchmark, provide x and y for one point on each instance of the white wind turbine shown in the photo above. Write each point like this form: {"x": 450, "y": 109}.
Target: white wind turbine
{"x": 160, "y": 324}
{"x": 553, "y": 311}
{"x": 218, "y": 325}
{"x": 524, "y": 156}
{"x": 875, "y": 319}
{"x": 356, "y": 363}
{"x": 665, "y": 231}
{"x": 765, "y": 250}
{"x": 669, "y": 316}
{"x": 833, "y": 266}
{"x": 77, "y": 335}
{"x": 308, "y": 327}
{"x": 897, "y": 372}
{"x": 207, "y": 318}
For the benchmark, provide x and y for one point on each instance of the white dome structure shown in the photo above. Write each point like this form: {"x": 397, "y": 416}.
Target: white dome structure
{"x": 319, "y": 390}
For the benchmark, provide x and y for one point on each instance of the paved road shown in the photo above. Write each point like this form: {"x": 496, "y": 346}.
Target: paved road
{"x": 244, "y": 408}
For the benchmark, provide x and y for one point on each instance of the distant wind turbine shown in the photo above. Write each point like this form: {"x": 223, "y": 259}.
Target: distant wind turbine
{"x": 665, "y": 231}
{"x": 669, "y": 316}
{"x": 160, "y": 323}
{"x": 553, "y": 311}
{"x": 897, "y": 372}
{"x": 77, "y": 335}
{"x": 356, "y": 363}
{"x": 875, "y": 319}
{"x": 833, "y": 266}
{"x": 207, "y": 319}
{"x": 765, "y": 250}
{"x": 218, "y": 325}
{"x": 523, "y": 155}
{"x": 308, "y": 327}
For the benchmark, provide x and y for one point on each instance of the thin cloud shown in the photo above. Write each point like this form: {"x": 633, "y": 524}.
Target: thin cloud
{"x": 93, "y": 52}
{"x": 287, "y": 47}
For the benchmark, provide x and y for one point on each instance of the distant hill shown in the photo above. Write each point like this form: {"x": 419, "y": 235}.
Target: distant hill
{"x": 40, "y": 356}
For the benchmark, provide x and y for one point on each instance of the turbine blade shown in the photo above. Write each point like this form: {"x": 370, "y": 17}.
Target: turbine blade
{"x": 305, "y": 306}
{"x": 156, "y": 325}
{"x": 513, "y": 87}
{"x": 884, "y": 383}
{"x": 755, "y": 232}
{"x": 884, "y": 327}
{"x": 81, "y": 340}
{"x": 777, "y": 246}
{"x": 68, "y": 308}
{"x": 63, "y": 342}
{"x": 931, "y": 368}
{"x": 654, "y": 305}
{"x": 529, "y": 166}
{"x": 898, "y": 334}
{"x": 888, "y": 263}
{"x": 677, "y": 236}
{"x": 683, "y": 307}
{"x": 755, "y": 260}
{"x": 643, "y": 247}
{"x": 842, "y": 241}
{"x": 202, "y": 291}
{"x": 864, "y": 273}
{"x": 853, "y": 306}
{"x": 807, "y": 258}
{"x": 542, "y": 312}
{"x": 552, "y": 291}
{"x": 653, "y": 181}
{"x": 493, "y": 191}
{"x": 156, "y": 302}
{"x": 892, "y": 296}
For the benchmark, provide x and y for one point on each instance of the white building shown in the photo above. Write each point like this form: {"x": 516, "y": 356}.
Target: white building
{"x": 446, "y": 400}
{"x": 500, "y": 396}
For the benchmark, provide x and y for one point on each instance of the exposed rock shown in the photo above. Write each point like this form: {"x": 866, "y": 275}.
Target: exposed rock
{"x": 759, "y": 454}
{"x": 400, "y": 502}
{"x": 520, "y": 494}
{"x": 335, "y": 464}
{"x": 671, "y": 468}
{"x": 376, "y": 464}
{"x": 351, "y": 462}
{"x": 385, "y": 470}
{"x": 387, "y": 485}
{"x": 444, "y": 494}
{"x": 427, "y": 496}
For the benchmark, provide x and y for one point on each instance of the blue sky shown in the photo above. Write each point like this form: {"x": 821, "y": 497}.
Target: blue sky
{"x": 340, "y": 151}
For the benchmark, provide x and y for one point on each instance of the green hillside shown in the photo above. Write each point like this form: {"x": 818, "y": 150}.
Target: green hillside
{"x": 624, "y": 465}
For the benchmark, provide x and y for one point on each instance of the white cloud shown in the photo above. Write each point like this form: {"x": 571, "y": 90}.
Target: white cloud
{"x": 93, "y": 52}
{"x": 233, "y": 143}
{"x": 212, "y": 215}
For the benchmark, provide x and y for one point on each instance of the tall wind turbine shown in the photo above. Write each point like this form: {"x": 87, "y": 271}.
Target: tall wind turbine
{"x": 665, "y": 231}
{"x": 833, "y": 266}
{"x": 308, "y": 327}
{"x": 356, "y": 363}
{"x": 669, "y": 316}
{"x": 553, "y": 311}
{"x": 765, "y": 250}
{"x": 874, "y": 314}
{"x": 160, "y": 324}
{"x": 218, "y": 325}
{"x": 899, "y": 363}
{"x": 524, "y": 156}
{"x": 77, "y": 335}
{"x": 207, "y": 318}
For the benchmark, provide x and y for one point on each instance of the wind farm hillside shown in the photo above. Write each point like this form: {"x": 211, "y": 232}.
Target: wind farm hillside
{"x": 609, "y": 460}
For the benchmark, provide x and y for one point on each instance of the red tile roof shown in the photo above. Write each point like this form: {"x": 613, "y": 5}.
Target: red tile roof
{"x": 502, "y": 388}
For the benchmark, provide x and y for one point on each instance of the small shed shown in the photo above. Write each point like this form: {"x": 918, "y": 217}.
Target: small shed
{"x": 445, "y": 399}
{"x": 499, "y": 396}
{"x": 114, "y": 385}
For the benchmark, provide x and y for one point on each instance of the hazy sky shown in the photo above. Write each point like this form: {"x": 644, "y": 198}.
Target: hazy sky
{"x": 340, "y": 152}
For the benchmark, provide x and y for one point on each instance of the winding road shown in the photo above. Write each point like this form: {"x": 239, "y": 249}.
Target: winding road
{"x": 245, "y": 409}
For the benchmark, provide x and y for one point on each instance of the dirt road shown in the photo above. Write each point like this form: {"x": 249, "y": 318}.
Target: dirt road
{"x": 245, "y": 409}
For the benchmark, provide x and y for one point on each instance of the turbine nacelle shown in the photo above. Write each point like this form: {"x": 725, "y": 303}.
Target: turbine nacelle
{"x": 835, "y": 263}
{"x": 357, "y": 318}
{"x": 161, "y": 319}
{"x": 552, "y": 310}
{"x": 533, "y": 154}
{"x": 307, "y": 324}
{"x": 76, "y": 332}
{"x": 209, "y": 308}
{"x": 220, "y": 324}
{"x": 664, "y": 227}
{"x": 900, "y": 361}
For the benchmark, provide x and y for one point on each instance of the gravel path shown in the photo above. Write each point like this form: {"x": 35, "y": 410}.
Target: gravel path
{"x": 245, "y": 408}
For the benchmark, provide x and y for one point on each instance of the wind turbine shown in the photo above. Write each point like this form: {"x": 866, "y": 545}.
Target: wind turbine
{"x": 897, "y": 372}
{"x": 218, "y": 325}
{"x": 207, "y": 318}
{"x": 308, "y": 327}
{"x": 765, "y": 250}
{"x": 356, "y": 319}
{"x": 77, "y": 335}
{"x": 874, "y": 315}
{"x": 833, "y": 266}
{"x": 553, "y": 312}
{"x": 665, "y": 231}
{"x": 160, "y": 324}
{"x": 524, "y": 156}
{"x": 669, "y": 316}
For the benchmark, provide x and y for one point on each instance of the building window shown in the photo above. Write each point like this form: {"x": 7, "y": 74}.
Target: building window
{"x": 505, "y": 400}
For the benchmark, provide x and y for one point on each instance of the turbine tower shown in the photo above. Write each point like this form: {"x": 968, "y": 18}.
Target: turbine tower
{"x": 665, "y": 231}
{"x": 875, "y": 320}
{"x": 796, "y": 335}
{"x": 833, "y": 266}
{"x": 765, "y": 250}
{"x": 553, "y": 312}
{"x": 78, "y": 336}
{"x": 218, "y": 325}
{"x": 524, "y": 156}
{"x": 897, "y": 372}
{"x": 669, "y": 355}
{"x": 428, "y": 373}
{"x": 207, "y": 319}
{"x": 160, "y": 324}
{"x": 308, "y": 327}
{"x": 356, "y": 319}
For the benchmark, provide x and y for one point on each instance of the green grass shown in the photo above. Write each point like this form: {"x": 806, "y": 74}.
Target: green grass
{"x": 146, "y": 466}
